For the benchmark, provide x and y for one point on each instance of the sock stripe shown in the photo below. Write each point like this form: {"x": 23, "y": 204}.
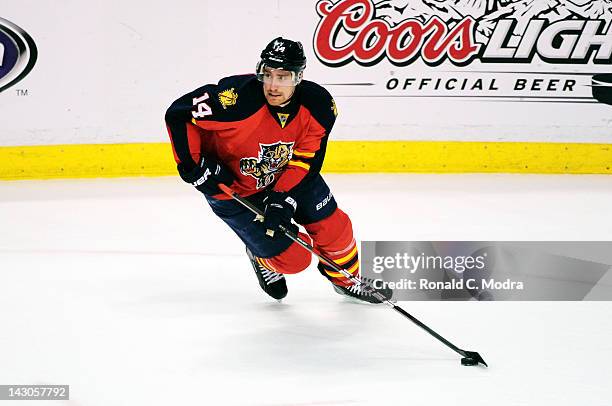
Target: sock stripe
{"x": 344, "y": 250}
{"x": 266, "y": 264}
{"x": 348, "y": 264}
{"x": 352, "y": 270}
{"x": 347, "y": 258}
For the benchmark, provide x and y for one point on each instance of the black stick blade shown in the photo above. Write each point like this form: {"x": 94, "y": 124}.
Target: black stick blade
{"x": 472, "y": 358}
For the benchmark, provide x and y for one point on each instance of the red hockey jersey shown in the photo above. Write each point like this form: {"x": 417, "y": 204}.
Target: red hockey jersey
{"x": 262, "y": 145}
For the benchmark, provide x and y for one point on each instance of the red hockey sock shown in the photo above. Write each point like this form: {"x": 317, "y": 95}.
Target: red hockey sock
{"x": 293, "y": 260}
{"x": 333, "y": 237}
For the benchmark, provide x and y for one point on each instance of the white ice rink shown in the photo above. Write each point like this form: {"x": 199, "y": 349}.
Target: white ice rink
{"x": 133, "y": 293}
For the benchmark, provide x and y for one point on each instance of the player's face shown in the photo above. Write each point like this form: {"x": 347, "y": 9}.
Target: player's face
{"x": 278, "y": 86}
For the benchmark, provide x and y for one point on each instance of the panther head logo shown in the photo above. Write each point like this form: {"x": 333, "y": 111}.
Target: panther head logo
{"x": 271, "y": 159}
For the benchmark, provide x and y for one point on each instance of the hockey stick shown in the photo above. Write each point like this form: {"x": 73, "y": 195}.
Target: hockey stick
{"x": 469, "y": 357}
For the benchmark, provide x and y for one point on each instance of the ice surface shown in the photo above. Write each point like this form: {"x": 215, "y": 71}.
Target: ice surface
{"x": 133, "y": 293}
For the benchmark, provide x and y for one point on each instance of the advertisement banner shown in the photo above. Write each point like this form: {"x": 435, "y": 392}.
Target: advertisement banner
{"x": 413, "y": 70}
{"x": 534, "y": 34}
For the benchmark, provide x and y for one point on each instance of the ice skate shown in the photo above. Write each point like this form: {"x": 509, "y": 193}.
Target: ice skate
{"x": 273, "y": 283}
{"x": 361, "y": 293}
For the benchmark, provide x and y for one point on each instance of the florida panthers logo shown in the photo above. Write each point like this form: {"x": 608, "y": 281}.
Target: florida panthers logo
{"x": 272, "y": 158}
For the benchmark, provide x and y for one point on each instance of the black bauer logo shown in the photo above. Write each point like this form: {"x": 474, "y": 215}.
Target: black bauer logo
{"x": 461, "y": 31}
{"x": 18, "y": 54}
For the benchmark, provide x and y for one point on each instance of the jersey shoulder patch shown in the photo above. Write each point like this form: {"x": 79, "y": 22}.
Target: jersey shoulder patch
{"x": 319, "y": 102}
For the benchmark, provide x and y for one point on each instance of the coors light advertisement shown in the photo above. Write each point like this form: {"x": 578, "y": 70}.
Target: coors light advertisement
{"x": 504, "y": 50}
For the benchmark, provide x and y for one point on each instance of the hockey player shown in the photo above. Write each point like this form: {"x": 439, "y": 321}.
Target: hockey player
{"x": 265, "y": 136}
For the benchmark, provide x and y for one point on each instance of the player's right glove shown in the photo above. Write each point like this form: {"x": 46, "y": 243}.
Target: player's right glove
{"x": 280, "y": 208}
{"x": 207, "y": 176}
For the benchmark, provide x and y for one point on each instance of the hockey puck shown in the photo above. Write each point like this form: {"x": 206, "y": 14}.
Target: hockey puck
{"x": 467, "y": 361}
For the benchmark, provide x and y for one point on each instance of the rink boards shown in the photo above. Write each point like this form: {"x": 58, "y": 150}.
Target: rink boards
{"x": 155, "y": 159}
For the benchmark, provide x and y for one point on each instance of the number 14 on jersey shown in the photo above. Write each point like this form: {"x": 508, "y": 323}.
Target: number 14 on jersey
{"x": 203, "y": 109}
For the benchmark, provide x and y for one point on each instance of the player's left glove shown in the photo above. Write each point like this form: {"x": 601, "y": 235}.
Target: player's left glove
{"x": 279, "y": 209}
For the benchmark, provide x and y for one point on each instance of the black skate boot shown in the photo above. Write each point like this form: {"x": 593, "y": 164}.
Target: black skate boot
{"x": 273, "y": 283}
{"x": 363, "y": 293}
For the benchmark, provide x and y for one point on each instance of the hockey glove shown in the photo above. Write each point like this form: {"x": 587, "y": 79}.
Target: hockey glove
{"x": 279, "y": 209}
{"x": 207, "y": 176}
